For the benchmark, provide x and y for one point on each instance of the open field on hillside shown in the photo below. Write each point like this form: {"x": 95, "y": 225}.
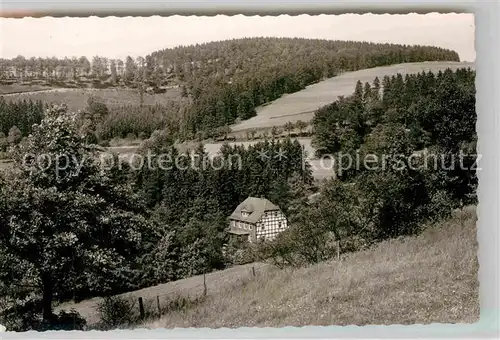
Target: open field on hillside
{"x": 301, "y": 105}
{"x": 77, "y": 98}
{"x": 383, "y": 285}
{"x": 431, "y": 278}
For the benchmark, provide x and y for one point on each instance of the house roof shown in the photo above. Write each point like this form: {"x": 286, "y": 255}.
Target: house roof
{"x": 256, "y": 207}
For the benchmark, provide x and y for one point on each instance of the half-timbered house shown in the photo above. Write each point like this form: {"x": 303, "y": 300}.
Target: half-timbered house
{"x": 257, "y": 218}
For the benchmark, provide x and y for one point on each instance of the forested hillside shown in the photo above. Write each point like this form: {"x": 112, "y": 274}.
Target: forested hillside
{"x": 227, "y": 80}
{"x": 221, "y": 82}
{"x": 404, "y": 151}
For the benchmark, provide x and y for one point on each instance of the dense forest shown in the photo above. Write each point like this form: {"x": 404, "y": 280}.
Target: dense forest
{"x": 19, "y": 116}
{"x": 225, "y": 60}
{"x": 245, "y": 73}
{"x": 221, "y": 82}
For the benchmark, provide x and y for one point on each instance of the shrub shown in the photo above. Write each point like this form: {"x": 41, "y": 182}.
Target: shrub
{"x": 15, "y": 135}
{"x": 104, "y": 143}
{"x": 20, "y": 313}
{"x": 115, "y": 311}
{"x": 24, "y": 314}
{"x": 238, "y": 252}
{"x": 67, "y": 321}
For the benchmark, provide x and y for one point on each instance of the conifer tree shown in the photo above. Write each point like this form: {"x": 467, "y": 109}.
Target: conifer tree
{"x": 67, "y": 221}
{"x": 358, "y": 92}
{"x": 376, "y": 88}
{"x": 367, "y": 92}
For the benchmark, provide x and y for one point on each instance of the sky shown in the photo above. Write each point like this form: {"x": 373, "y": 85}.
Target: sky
{"x": 116, "y": 37}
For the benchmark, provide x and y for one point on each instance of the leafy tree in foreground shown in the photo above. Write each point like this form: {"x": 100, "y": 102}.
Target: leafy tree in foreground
{"x": 69, "y": 222}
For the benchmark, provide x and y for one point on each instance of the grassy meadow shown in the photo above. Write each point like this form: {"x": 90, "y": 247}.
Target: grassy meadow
{"x": 76, "y": 99}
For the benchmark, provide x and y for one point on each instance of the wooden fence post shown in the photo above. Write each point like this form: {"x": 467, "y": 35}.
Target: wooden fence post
{"x": 338, "y": 250}
{"x": 141, "y": 308}
{"x": 204, "y": 285}
{"x": 158, "y": 305}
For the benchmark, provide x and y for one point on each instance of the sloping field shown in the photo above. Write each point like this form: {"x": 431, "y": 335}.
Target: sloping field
{"x": 76, "y": 99}
{"x": 301, "y": 105}
{"x": 192, "y": 287}
{"x": 386, "y": 284}
{"x": 431, "y": 278}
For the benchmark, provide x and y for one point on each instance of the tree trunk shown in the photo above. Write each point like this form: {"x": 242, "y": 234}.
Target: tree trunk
{"x": 47, "y": 297}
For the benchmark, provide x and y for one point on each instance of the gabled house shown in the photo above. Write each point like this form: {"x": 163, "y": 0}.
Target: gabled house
{"x": 257, "y": 218}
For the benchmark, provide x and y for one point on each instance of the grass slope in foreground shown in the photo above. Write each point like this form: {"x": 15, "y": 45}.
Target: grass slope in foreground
{"x": 302, "y": 104}
{"x": 430, "y": 278}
